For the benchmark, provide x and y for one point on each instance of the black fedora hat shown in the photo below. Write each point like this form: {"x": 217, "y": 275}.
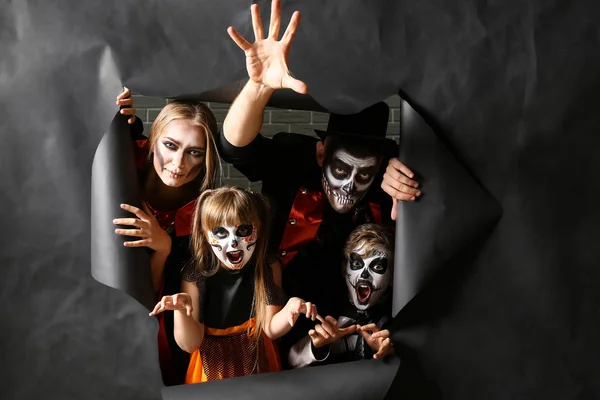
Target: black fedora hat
{"x": 371, "y": 122}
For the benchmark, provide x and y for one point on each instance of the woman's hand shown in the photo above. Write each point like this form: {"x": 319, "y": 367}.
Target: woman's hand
{"x": 124, "y": 100}
{"x": 379, "y": 341}
{"x": 397, "y": 183}
{"x": 266, "y": 58}
{"x": 327, "y": 332}
{"x": 176, "y": 302}
{"x": 296, "y": 306}
{"x": 147, "y": 228}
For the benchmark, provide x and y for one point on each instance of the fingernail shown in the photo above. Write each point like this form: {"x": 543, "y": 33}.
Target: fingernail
{"x": 418, "y": 193}
{"x": 114, "y": 221}
{"x": 411, "y": 175}
{"x": 412, "y": 198}
{"x": 122, "y": 205}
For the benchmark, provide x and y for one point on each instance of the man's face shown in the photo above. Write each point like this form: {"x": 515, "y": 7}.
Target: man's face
{"x": 233, "y": 245}
{"x": 347, "y": 178}
{"x": 367, "y": 277}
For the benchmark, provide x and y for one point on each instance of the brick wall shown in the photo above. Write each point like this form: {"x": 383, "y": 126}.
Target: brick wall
{"x": 275, "y": 120}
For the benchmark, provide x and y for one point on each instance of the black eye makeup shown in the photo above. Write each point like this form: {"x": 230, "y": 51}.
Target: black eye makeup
{"x": 244, "y": 230}
{"x": 356, "y": 262}
{"x": 169, "y": 145}
{"x": 220, "y": 232}
{"x": 379, "y": 265}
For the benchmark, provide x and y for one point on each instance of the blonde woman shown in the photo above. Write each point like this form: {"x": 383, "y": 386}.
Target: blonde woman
{"x": 176, "y": 162}
{"x": 232, "y": 307}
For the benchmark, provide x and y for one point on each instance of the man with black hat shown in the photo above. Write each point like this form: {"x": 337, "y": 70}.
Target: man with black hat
{"x": 319, "y": 190}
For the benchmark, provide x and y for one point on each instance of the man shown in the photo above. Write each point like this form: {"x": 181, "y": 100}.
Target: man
{"x": 319, "y": 190}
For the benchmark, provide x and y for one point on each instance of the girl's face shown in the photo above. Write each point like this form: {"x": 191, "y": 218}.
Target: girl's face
{"x": 233, "y": 245}
{"x": 179, "y": 152}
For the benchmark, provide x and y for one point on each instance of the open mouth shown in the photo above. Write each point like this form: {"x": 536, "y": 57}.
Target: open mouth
{"x": 363, "y": 291}
{"x": 235, "y": 257}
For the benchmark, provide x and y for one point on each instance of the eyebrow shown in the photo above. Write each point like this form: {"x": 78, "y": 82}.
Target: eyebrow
{"x": 179, "y": 144}
{"x": 343, "y": 164}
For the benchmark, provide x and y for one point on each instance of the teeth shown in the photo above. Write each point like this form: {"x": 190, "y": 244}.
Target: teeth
{"x": 341, "y": 199}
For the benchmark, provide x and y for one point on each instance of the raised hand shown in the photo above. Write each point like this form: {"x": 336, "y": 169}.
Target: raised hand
{"x": 125, "y": 100}
{"x": 296, "y": 306}
{"x": 176, "y": 302}
{"x": 147, "y": 228}
{"x": 379, "y": 341}
{"x": 397, "y": 183}
{"x": 328, "y": 332}
{"x": 266, "y": 58}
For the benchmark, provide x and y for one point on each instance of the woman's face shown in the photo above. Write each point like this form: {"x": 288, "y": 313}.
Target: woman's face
{"x": 179, "y": 152}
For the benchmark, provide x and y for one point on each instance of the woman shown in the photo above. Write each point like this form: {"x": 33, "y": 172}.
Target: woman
{"x": 176, "y": 163}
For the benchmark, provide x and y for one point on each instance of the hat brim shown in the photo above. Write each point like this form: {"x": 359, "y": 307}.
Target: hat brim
{"x": 382, "y": 144}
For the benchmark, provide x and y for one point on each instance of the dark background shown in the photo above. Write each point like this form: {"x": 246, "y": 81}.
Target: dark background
{"x": 511, "y": 87}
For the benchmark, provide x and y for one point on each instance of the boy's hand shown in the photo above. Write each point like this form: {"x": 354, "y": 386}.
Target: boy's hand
{"x": 379, "y": 341}
{"x": 327, "y": 331}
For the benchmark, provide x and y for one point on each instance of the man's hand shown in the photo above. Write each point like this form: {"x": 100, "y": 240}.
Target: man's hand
{"x": 266, "y": 58}
{"x": 397, "y": 183}
{"x": 327, "y": 332}
{"x": 379, "y": 341}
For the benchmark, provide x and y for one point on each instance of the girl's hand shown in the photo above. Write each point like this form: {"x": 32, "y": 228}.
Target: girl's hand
{"x": 328, "y": 332}
{"x": 124, "y": 100}
{"x": 147, "y": 228}
{"x": 176, "y": 302}
{"x": 379, "y": 341}
{"x": 266, "y": 58}
{"x": 296, "y": 306}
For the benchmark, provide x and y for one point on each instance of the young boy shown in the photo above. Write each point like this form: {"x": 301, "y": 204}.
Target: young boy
{"x": 367, "y": 271}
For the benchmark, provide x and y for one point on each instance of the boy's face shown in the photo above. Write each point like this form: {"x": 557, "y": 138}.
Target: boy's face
{"x": 367, "y": 277}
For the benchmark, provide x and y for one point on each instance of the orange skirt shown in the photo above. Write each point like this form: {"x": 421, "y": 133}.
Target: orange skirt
{"x": 226, "y": 353}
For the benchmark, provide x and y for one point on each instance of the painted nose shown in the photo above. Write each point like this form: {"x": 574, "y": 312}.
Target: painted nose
{"x": 349, "y": 187}
{"x": 365, "y": 274}
{"x": 234, "y": 243}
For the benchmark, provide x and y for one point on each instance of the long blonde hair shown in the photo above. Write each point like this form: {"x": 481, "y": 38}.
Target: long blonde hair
{"x": 201, "y": 116}
{"x": 228, "y": 206}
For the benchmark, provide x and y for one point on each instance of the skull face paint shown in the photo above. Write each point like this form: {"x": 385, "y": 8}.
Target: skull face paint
{"x": 367, "y": 277}
{"x": 347, "y": 178}
{"x": 233, "y": 245}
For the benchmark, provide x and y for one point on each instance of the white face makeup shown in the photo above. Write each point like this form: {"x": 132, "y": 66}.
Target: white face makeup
{"x": 346, "y": 179}
{"x": 367, "y": 277}
{"x": 179, "y": 153}
{"x": 233, "y": 245}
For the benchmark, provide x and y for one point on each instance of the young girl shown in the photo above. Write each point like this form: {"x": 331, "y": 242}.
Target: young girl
{"x": 231, "y": 308}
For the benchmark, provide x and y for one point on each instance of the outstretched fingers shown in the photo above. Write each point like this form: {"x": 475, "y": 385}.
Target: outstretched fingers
{"x": 296, "y": 85}
{"x": 238, "y": 39}
{"x": 275, "y": 23}
{"x": 291, "y": 29}
{"x": 257, "y": 23}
